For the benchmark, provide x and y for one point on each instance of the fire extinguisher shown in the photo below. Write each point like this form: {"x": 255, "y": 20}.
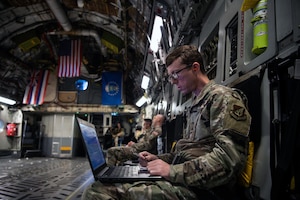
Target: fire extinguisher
{"x": 260, "y": 27}
{"x": 11, "y": 129}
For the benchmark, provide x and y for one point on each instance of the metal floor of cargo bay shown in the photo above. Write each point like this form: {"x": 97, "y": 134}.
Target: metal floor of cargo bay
{"x": 39, "y": 178}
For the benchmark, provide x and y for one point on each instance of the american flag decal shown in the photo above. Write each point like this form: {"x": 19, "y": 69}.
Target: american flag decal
{"x": 36, "y": 89}
{"x": 70, "y": 57}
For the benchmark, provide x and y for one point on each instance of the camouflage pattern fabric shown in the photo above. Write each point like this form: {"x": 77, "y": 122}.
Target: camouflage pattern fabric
{"x": 144, "y": 135}
{"x": 118, "y": 155}
{"x": 159, "y": 190}
{"x": 150, "y": 141}
{"x": 215, "y": 145}
{"x": 212, "y": 153}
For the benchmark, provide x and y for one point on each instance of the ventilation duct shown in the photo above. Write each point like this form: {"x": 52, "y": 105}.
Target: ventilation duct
{"x": 58, "y": 11}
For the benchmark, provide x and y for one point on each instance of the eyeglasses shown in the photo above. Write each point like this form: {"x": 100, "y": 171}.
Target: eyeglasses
{"x": 174, "y": 75}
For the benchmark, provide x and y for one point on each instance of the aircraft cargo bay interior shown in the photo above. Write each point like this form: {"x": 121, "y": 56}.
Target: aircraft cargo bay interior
{"x": 125, "y": 68}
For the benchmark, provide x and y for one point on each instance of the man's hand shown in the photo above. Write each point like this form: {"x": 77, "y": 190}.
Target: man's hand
{"x": 154, "y": 165}
{"x": 159, "y": 167}
{"x": 129, "y": 144}
{"x": 145, "y": 157}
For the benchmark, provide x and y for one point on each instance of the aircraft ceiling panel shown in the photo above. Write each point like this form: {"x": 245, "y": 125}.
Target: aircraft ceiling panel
{"x": 30, "y": 33}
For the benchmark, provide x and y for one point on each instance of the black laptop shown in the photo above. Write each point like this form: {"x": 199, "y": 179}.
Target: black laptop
{"x": 101, "y": 171}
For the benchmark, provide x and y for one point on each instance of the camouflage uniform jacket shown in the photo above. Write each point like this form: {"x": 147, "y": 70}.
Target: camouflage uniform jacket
{"x": 214, "y": 147}
{"x": 144, "y": 135}
{"x": 150, "y": 141}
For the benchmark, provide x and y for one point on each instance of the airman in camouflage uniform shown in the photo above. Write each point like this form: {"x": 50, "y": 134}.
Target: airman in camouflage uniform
{"x": 140, "y": 132}
{"x": 118, "y": 155}
{"x": 213, "y": 151}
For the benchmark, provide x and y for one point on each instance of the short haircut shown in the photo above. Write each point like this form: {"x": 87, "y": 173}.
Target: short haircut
{"x": 138, "y": 128}
{"x": 148, "y": 120}
{"x": 188, "y": 55}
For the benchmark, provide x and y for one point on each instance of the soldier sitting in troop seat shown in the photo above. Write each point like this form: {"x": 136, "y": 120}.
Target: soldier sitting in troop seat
{"x": 207, "y": 161}
{"x": 141, "y": 132}
{"x": 117, "y": 133}
{"x": 118, "y": 155}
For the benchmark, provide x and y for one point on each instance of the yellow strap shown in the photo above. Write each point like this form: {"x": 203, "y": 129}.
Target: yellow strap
{"x": 173, "y": 146}
{"x": 246, "y": 175}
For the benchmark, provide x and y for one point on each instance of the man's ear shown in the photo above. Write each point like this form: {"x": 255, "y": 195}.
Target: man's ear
{"x": 196, "y": 66}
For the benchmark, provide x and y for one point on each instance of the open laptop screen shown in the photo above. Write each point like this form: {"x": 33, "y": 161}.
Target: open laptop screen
{"x": 92, "y": 145}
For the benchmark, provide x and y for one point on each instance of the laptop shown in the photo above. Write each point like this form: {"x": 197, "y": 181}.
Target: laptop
{"x": 102, "y": 172}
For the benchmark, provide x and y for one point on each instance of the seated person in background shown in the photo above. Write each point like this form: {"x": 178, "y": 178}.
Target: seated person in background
{"x": 145, "y": 132}
{"x": 117, "y": 133}
{"x": 118, "y": 155}
{"x": 137, "y": 133}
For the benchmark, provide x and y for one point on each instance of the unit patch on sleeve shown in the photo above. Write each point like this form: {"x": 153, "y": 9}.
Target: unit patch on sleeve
{"x": 238, "y": 113}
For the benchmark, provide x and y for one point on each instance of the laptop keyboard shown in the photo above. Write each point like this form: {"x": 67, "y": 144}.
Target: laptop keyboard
{"x": 123, "y": 171}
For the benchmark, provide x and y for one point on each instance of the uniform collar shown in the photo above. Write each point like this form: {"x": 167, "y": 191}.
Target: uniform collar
{"x": 206, "y": 89}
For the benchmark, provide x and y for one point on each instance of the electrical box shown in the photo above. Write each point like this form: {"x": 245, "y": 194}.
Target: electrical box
{"x": 61, "y": 135}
